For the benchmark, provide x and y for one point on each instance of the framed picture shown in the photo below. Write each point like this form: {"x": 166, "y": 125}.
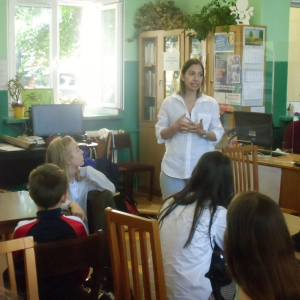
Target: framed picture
{"x": 36, "y": 96}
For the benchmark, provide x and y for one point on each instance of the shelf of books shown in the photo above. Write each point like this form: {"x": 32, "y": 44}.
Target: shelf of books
{"x": 149, "y": 73}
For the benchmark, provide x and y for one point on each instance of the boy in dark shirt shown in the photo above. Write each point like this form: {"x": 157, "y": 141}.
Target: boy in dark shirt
{"x": 48, "y": 189}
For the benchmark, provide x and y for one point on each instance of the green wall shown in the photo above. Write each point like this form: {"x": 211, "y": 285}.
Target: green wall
{"x": 272, "y": 13}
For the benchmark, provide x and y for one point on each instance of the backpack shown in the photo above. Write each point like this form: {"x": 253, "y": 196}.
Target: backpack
{"x": 126, "y": 203}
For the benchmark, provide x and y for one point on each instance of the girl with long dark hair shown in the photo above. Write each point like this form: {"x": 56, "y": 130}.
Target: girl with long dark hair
{"x": 191, "y": 222}
{"x": 259, "y": 251}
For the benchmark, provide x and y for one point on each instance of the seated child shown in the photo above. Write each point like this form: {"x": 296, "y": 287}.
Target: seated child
{"x": 66, "y": 154}
{"x": 259, "y": 251}
{"x": 48, "y": 189}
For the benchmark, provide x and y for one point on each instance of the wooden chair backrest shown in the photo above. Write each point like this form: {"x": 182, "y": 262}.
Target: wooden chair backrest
{"x": 122, "y": 141}
{"x": 25, "y": 244}
{"x": 71, "y": 255}
{"x": 115, "y": 222}
{"x": 244, "y": 179}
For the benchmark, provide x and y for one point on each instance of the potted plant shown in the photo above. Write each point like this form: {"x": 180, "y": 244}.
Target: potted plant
{"x": 215, "y": 13}
{"x": 15, "y": 87}
{"x": 158, "y": 15}
{"x": 76, "y": 100}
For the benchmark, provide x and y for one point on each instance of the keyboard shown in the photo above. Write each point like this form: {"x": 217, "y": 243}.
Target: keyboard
{"x": 268, "y": 152}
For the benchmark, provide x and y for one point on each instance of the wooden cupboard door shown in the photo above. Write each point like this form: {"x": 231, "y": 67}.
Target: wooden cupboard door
{"x": 150, "y": 152}
{"x": 148, "y": 47}
{"x": 171, "y": 41}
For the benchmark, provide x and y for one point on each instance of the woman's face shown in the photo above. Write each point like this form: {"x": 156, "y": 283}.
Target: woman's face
{"x": 75, "y": 158}
{"x": 193, "y": 78}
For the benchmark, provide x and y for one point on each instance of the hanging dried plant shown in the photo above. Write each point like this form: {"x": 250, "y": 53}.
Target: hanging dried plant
{"x": 160, "y": 15}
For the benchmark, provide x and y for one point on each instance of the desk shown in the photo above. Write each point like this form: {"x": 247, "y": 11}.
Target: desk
{"x": 290, "y": 179}
{"x": 15, "y": 207}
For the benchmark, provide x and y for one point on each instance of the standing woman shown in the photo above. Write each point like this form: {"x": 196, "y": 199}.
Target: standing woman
{"x": 65, "y": 153}
{"x": 259, "y": 251}
{"x": 189, "y": 124}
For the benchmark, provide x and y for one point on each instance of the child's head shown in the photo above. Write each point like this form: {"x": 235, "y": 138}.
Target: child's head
{"x": 48, "y": 185}
{"x": 212, "y": 178}
{"x": 65, "y": 153}
{"x": 210, "y": 186}
{"x": 191, "y": 69}
{"x": 259, "y": 249}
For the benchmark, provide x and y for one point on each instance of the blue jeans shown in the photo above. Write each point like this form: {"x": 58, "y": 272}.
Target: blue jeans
{"x": 171, "y": 185}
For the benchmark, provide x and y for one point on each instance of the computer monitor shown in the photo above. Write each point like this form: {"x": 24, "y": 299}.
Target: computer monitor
{"x": 58, "y": 119}
{"x": 254, "y": 128}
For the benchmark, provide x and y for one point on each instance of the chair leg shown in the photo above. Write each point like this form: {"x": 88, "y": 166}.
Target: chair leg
{"x": 151, "y": 185}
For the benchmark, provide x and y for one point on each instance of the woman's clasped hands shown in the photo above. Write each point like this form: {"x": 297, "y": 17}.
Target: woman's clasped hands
{"x": 185, "y": 124}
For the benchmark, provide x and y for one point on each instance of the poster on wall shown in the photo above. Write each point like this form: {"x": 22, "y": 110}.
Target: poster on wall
{"x": 227, "y": 78}
{"x": 224, "y": 42}
{"x": 233, "y": 69}
{"x": 253, "y": 66}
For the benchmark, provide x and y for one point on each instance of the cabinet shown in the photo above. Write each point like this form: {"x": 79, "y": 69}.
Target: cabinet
{"x": 155, "y": 85}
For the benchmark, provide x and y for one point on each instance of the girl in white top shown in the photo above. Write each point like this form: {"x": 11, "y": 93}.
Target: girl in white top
{"x": 189, "y": 125}
{"x": 65, "y": 153}
{"x": 191, "y": 222}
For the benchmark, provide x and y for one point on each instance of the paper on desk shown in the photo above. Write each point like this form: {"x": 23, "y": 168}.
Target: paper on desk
{"x": 8, "y": 147}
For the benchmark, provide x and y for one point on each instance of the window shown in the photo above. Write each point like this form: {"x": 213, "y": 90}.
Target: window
{"x": 73, "y": 47}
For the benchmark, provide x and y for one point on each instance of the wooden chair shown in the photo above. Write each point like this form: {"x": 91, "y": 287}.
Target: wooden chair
{"x": 27, "y": 245}
{"x": 76, "y": 254}
{"x": 115, "y": 222}
{"x": 244, "y": 179}
{"x": 123, "y": 141}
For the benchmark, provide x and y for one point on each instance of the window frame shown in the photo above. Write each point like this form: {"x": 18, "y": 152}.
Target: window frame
{"x": 105, "y": 108}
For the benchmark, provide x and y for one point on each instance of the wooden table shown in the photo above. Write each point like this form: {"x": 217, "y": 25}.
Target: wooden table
{"x": 290, "y": 179}
{"x": 15, "y": 207}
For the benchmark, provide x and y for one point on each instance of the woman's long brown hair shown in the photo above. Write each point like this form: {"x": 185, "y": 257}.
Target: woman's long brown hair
{"x": 259, "y": 250}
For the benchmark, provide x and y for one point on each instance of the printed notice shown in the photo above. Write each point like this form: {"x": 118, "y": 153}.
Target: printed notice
{"x": 3, "y": 74}
{"x": 233, "y": 99}
{"x": 220, "y": 97}
{"x": 171, "y": 61}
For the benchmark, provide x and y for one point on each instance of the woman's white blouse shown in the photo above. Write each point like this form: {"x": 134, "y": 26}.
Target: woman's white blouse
{"x": 185, "y": 268}
{"x": 183, "y": 150}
